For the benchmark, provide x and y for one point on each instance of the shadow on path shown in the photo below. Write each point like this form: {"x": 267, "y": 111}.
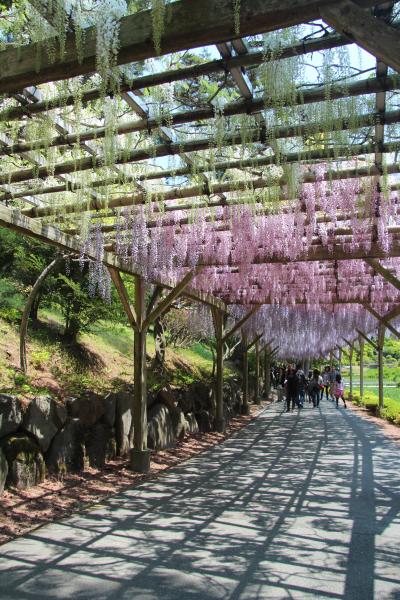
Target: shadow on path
{"x": 299, "y": 505}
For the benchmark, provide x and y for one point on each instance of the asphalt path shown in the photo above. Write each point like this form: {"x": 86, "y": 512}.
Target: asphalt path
{"x": 297, "y": 505}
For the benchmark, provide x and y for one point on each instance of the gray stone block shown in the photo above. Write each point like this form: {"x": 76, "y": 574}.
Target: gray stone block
{"x": 67, "y": 451}
{"x": 10, "y": 414}
{"x": 100, "y": 445}
{"x": 43, "y": 418}
{"x": 3, "y": 471}
{"x": 26, "y": 466}
{"x": 160, "y": 428}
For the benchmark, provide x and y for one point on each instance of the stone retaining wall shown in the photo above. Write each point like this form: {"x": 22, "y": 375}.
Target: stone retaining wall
{"x": 48, "y": 436}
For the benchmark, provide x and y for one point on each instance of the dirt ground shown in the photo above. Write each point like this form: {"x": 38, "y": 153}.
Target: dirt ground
{"x": 22, "y": 511}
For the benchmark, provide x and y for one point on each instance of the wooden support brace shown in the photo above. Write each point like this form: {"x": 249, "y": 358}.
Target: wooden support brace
{"x": 168, "y": 300}
{"x": 240, "y": 323}
{"x": 372, "y": 34}
{"x": 360, "y": 333}
{"x": 386, "y": 274}
{"x": 123, "y": 295}
{"x": 382, "y": 320}
{"x": 256, "y": 339}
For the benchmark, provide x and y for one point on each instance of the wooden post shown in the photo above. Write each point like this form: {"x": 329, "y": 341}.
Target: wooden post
{"x": 218, "y": 319}
{"x": 351, "y": 369}
{"x": 257, "y": 398}
{"x": 381, "y": 341}
{"x": 267, "y": 373}
{"x": 361, "y": 343}
{"x": 340, "y": 359}
{"x": 245, "y": 403}
{"x": 139, "y": 454}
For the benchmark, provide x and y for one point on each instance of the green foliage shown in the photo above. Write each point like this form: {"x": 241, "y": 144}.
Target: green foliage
{"x": 390, "y": 412}
{"x": 39, "y": 358}
{"x": 23, "y": 259}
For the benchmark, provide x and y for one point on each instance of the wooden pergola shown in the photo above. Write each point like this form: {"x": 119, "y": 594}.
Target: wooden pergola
{"x": 26, "y": 193}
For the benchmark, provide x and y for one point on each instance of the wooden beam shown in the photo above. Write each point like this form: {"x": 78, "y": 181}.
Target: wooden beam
{"x": 392, "y": 314}
{"x": 190, "y": 24}
{"x": 197, "y": 145}
{"x": 386, "y": 274}
{"x": 372, "y": 34}
{"x": 250, "y": 106}
{"x": 123, "y": 296}
{"x": 50, "y": 235}
{"x": 168, "y": 300}
{"x": 268, "y": 344}
{"x": 243, "y": 60}
{"x": 360, "y": 333}
{"x": 382, "y": 320}
{"x": 309, "y": 176}
{"x": 239, "y": 323}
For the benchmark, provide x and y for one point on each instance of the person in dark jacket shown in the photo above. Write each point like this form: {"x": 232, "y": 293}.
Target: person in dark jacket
{"x": 301, "y": 382}
{"x": 291, "y": 388}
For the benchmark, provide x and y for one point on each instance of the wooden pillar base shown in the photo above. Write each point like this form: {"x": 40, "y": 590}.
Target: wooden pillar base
{"x": 220, "y": 425}
{"x": 244, "y": 409}
{"x": 140, "y": 460}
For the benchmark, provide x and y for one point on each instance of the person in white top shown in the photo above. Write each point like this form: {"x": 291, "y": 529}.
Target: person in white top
{"x": 315, "y": 387}
{"x": 326, "y": 378}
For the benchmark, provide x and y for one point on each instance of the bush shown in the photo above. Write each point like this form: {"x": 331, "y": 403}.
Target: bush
{"x": 390, "y": 412}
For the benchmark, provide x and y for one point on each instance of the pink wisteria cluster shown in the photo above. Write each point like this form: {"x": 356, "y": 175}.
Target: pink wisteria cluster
{"x": 326, "y": 215}
{"x": 252, "y": 253}
{"x": 309, "y": 283}
{"x": 306, "y": 332}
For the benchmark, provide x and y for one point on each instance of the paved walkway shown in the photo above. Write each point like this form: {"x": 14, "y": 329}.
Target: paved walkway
{"x": 300, "y": 505}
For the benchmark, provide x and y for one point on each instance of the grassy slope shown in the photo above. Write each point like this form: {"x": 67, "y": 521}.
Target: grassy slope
{"x": 102, "y": 362}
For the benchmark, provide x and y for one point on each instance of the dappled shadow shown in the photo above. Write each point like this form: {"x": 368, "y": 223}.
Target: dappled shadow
{"x": 299, "y": 505}
{"x": 82, "y": 357}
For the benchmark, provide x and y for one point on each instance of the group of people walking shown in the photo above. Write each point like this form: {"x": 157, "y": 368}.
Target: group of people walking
{"x": 298, "y": 388}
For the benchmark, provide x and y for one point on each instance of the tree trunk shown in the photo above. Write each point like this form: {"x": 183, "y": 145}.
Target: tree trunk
{"x": 160, "y": 343}
{"x": 28, "y": 307}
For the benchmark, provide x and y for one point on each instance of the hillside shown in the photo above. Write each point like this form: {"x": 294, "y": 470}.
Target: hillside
{"x": 101, "y": 361}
